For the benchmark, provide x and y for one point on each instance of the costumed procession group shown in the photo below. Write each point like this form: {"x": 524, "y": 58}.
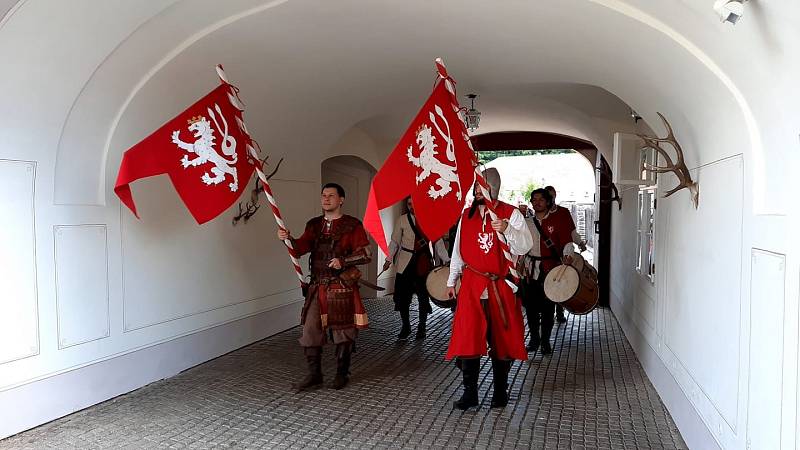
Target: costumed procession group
{"x": 488, "y": 306}
{"x": 500, "y": 254}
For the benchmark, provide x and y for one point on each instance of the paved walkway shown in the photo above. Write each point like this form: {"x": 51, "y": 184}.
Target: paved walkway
{"x": 590, "y": 394}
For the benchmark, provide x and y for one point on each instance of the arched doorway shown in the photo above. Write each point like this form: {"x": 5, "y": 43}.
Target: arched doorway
{"x": 601, "y": 228}
{"x": 355, "y": 176}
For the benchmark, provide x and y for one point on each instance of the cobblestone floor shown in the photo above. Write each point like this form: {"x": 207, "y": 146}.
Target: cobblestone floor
{"x": 590, "y": 394}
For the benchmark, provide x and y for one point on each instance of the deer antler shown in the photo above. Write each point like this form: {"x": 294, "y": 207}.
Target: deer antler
{"x": 252, "y": 206}
{"x": 678, "y": 168}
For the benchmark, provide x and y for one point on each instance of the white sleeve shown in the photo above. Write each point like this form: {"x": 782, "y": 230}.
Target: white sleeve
{"x": 569, "y": 249}
{"x": 441, "y": 251}
{"x": 517, "y": 234}
{"x": 394, "y": 243}
{"x": 576, "y": 238}
{"x": 456, "y": 263}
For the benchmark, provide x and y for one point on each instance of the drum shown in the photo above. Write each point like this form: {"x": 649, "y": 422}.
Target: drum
{"x": 578, "y": 262}
{"x": 436, "y": 282}
{"x": 576, "y": 291}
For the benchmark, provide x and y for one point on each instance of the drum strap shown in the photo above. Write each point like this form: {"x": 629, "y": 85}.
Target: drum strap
{"x": 419, "y": 238}
{"x": 493, "y": 281}
{"x": 549, "y": 243}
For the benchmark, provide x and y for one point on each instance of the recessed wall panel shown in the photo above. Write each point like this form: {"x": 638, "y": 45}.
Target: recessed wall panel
{"x": 703, "y": 283}
{"x": 174, "y": 268}
{"x": 767, "y": 295}
{"x": 81, "y": 283}
{"x": 19, "y": 333}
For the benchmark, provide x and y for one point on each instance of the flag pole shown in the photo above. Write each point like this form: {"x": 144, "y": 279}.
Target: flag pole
{"x": 482, "y": 184}
{"x": 232, "y": 96}
{"x": 277, "y": 214}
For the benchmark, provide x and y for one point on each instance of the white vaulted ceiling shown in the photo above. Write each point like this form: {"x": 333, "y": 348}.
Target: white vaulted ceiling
{"x": 107, "y": 73}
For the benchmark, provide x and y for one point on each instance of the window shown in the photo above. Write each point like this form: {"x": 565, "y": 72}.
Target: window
{"x": 646, "y": 255}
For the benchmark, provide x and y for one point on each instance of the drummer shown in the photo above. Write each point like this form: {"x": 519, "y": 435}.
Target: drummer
{"x": 411, "y": 255}
{"x": 576, "y": 239}
{"x": 552, "y": 246}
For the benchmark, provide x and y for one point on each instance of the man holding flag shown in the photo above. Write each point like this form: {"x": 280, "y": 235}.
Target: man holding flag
{"x": 337, "y": 243}
{"x": 487, "y": 309}
{"x": 435, "y": 164}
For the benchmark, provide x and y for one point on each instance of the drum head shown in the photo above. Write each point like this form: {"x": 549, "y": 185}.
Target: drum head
{"x": 561, "y": 283}
{"x": 437, "y": 285}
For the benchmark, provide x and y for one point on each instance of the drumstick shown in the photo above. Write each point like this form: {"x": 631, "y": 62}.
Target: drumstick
{"x": 561, "y": 274}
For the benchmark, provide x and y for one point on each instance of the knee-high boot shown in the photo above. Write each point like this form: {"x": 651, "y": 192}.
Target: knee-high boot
{"x": 500, "y": 370}
{"x": 405, "y": 318}
{"x": 533, "y": 328}
{"x": 314, "y": 378}
{"x": 343, "y": 354}
{"x": 470, "y": 369}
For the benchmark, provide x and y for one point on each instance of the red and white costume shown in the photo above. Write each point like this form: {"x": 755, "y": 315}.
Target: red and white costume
{"x": 486, "y": 305}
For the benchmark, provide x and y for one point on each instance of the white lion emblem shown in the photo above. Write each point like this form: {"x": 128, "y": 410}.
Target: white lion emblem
{"x": 430, "y": 164}
{"x": 203, "y": 147}
{"x": 486, "y": 242}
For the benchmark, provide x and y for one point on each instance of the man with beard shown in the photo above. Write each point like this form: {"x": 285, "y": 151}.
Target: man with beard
{"x": 333, "y": 308}
{"x": 486, "y": 308}
{"x": 552, "y": 245}
{"x": 410, "y": 252}
{"x": 566, "y": 216}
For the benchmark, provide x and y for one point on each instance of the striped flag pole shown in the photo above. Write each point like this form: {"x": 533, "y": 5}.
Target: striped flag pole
{"x": 233, "y": 97}
{"x": 482, "y": 184}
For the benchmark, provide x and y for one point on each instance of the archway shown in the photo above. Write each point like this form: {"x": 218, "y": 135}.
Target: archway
{"x": 536, "y": 140}
{"x": 355, "y": 175}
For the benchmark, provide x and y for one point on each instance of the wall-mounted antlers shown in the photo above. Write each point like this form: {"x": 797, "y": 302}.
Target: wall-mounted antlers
{"x": 678, "y": 168}
{"x": 252, "y": 206}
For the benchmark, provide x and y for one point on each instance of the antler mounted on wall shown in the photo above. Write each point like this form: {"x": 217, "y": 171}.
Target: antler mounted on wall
{"x": 678, "y": 168}
{"x": 252, "y": 206}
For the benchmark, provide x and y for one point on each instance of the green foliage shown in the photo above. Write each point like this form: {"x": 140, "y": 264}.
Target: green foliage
{"x": 530, "y": 187}
{"x": 486, "y": 156}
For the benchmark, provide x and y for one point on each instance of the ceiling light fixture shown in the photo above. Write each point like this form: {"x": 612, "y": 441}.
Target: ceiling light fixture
{"x": 472, "y": 117}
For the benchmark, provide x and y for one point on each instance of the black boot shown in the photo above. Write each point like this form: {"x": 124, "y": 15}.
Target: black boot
{"x": 500, "y": 370}
{"x": 560, "y": 314}
{"x": 314, "y": 378}
{"x": 405, "y": 332}
{"x": 469, "y": 370}
{"x": 546, "y": 348}
{"x": 343, "y": 352}
{"x": 533, "y": 328}
{"x": 422, "y": 327}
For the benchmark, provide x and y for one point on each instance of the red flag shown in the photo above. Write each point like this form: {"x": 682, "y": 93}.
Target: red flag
{"x": 433, "y": 162}
{"x": 204, "y": 150}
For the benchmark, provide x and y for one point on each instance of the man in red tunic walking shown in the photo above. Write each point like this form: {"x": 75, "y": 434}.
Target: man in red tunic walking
{"x": 486, "y": 308}
{"x": 333, "y": 307}
{"x": 576, "y": 238}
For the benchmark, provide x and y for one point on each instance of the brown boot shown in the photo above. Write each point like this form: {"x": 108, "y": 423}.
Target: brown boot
{"x": 314, "y": 378}
{"x": 343, "y": 352}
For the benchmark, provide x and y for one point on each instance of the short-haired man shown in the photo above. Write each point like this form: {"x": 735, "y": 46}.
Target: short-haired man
{"x": 337, "y": 243}
{"x": 552, "y": 245}
{"x": 576, "y": 239}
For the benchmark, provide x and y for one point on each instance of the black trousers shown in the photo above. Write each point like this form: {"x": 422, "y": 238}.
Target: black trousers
{"x": 407, "y": 284}
{"x": 539, "y": 310}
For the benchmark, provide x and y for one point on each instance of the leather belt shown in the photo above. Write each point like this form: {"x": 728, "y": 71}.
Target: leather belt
{"x": 493, "y": 281}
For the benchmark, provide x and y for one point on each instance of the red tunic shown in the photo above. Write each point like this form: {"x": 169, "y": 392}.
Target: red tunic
{"x": 339, "y": 238}
{"x": 558, "y": 225}
{"x": 481, "y": 251}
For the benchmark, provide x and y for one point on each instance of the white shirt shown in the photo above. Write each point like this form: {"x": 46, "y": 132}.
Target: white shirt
{"x": 517, "y": 235}
{"x": 532, "y": 267}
